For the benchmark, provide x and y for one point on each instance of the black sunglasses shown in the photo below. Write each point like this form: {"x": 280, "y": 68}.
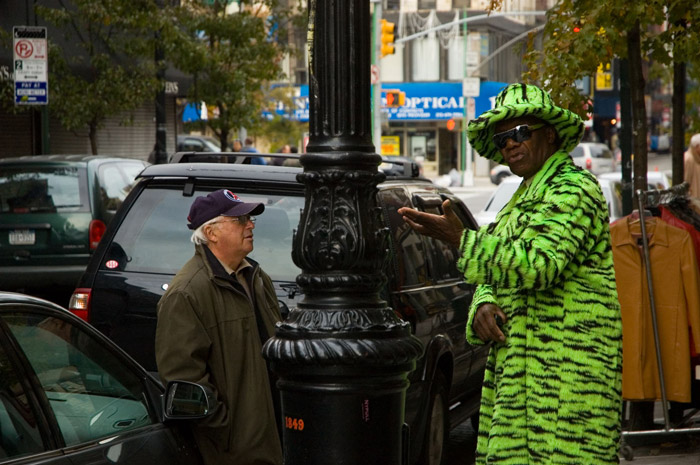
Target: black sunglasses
{"x": 519, "y": 134}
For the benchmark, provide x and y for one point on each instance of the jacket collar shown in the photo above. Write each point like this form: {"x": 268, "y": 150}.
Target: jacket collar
{"x": 628, "y": 232}
{"x": 530, "y": 188}
{"x": 214, "y": 266}
{"x": 551, "y": 165}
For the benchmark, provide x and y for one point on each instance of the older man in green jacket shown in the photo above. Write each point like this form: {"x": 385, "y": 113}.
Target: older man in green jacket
{"x": 212, "y": 322}
{"x": 546, "y": 298}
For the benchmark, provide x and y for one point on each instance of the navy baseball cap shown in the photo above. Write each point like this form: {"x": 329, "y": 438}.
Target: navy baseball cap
{"x": 220, "y": 203}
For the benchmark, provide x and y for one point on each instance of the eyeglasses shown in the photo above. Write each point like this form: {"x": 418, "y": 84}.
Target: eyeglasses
{"x": 519, "y": 134}
{"x": 242, "y": 220}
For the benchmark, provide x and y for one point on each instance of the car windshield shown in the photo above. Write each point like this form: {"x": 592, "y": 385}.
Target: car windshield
{"x": 31, "y": 189}
{"x": 600, "y": 151}
{"x": 577, "y": 152}
{"x": 154, "y": 237}
{"x": 501, "y": 196}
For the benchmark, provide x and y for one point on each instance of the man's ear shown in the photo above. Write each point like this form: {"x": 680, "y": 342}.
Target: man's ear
{"x": 209, "y": 233}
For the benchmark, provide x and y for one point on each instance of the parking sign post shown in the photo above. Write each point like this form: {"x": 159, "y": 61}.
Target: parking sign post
{"x": 30, "y": 52}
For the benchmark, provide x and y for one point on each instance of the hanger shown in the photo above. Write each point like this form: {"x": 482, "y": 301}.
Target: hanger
{"x": 634, "y": 216}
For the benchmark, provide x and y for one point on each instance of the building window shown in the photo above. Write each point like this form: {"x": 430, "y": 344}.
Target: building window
{"x": 425, "y": 61}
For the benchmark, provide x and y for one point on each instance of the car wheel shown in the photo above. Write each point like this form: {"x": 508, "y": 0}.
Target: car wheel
{"x": 501, "y": 176}
{"x": 437, "y": 429}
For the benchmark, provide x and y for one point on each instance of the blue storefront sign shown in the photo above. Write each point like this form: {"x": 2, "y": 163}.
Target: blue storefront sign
{"x": 436, "y": 101}
{"x": 425, "y": 101}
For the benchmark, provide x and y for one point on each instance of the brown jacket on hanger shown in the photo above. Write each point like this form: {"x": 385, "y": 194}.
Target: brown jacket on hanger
{"x": 677, "y": 300}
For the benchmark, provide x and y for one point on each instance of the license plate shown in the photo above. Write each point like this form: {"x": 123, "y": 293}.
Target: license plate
{"x": 22, "y": 237}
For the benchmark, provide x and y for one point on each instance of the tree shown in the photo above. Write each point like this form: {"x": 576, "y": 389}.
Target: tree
{"x": 581, "y": 34}
{"x": 104, "y": 66}
{"x": 232, "y": 57}
{"x": 280, "y": 130}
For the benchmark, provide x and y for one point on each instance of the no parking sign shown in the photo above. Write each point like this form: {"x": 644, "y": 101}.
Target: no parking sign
{"x": 30, "y": 53}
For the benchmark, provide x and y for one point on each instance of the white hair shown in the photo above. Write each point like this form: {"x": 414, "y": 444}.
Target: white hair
{"x": 198, "y": 237}
{"x": 695, "y": 140}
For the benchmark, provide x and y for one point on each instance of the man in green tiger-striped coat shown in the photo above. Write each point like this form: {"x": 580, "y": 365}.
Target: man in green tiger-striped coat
{"x": 546, "y": 294}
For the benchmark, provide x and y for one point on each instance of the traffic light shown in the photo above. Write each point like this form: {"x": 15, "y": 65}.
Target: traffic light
{"x": 388, "y": 32}
{"x": 395, "y": 98}
{"x": 578, "y": 24}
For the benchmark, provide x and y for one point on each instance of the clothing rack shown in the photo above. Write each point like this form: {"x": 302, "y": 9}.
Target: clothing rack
{"x": 649, "y": 199}
{"x": 655, "y": 197}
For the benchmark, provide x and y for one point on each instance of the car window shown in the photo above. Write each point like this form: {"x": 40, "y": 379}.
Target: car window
{"x": 577, "y": 152}
{"x": 116, "y": 181}
{"x": 19, "y": 431}
{"x": 193, "y": 144}
{"x": 406, "y": 244}
{"x": 600, "y": 151}
{"x": 90, "y": 391}
{"x": 154, "y": 238}
{"x": 43, "y": 189}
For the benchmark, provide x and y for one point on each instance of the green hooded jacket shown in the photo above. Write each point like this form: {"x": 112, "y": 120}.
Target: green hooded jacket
{"x": 207, "y": 334}
{"x": 552, "y": 390}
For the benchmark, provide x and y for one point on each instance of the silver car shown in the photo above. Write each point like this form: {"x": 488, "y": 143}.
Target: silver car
{"x": 611, "y": 190}
{"x": 594, "y": 156}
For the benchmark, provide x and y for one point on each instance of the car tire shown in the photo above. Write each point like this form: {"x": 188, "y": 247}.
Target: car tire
{"x": 501, "y": 176}
{"x": 438, "y": 424}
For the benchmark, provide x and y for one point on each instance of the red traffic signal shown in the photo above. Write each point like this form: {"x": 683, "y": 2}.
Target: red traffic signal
{"x": 395, "y": 98}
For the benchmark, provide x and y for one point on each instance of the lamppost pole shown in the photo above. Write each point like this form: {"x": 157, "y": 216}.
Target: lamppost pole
{"x": 342, "y": 356}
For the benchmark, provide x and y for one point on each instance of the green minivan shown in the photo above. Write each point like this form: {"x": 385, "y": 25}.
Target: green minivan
{"x": 53, "y": 212}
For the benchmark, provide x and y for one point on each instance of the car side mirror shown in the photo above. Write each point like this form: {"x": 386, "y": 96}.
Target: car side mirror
{"x": 187, "y": 401}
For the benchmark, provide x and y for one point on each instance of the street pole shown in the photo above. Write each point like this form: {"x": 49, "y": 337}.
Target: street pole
{"x": 161, "y": 131}
{"x": 626, "y": 135}
{"x": 342, "y": 355}
{"x": 377, "y": 86}
{"x": 468, "y": 176}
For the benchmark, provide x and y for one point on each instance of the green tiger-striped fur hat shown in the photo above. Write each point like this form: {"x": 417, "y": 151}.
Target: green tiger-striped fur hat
{"x": 523, "y": 100}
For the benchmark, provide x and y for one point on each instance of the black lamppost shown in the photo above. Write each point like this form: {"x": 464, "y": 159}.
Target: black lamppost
{"x": 161, "y": 155}
{"x": 342, "y": 355}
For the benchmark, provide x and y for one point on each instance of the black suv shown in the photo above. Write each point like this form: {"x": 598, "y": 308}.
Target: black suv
{"x": 148, "y": 242}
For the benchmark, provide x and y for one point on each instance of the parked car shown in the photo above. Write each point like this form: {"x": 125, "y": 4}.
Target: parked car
{"x": 499, "y": 198}
{"x": 499, "y": 173}
{"x": 54, "y": 210}
{"x": 612, "y": 191}
{"x": 197, "y": 143}
{"x": 596, "y": 157}
{"x": 655, "y": 179}
{"x": 148, "y": 243}
{"x": 503, "y": 193}
{"x": 68, "y": 395}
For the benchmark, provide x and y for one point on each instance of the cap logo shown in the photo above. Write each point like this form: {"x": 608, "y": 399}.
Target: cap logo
{"x": 231, "y": 196}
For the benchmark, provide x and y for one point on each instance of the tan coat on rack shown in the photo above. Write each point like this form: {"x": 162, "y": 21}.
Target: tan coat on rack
{"x": 676, "y": 282}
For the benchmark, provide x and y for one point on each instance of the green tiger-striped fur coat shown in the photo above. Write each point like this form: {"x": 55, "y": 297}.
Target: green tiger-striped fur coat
{"x": 552, "y": 391}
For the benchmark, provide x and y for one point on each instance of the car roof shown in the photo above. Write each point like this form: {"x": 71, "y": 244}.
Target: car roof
{"x": 188, "y": 167}
{"x": 221, "y": 171}
{"x": 7, "y": 297}
{"x": 617, "y": 175}
{"x": 62, "y": 158}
